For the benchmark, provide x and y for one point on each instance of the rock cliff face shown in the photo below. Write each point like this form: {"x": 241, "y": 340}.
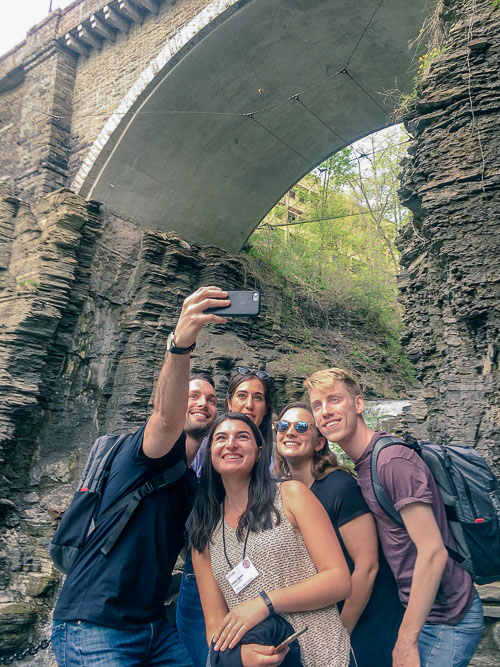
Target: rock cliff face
{"x": 86, "y": 304}
{"x": 450, "y": 250}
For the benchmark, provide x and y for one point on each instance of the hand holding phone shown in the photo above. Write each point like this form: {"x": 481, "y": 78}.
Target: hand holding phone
{"x": 257, "y": 654}
{"x": 286, "y": 642}
{"x": 244, "y": 303}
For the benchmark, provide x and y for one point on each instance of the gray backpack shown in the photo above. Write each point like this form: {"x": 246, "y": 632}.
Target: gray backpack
{"x": 471, "y": 498}
{"x": 83, "y": 514}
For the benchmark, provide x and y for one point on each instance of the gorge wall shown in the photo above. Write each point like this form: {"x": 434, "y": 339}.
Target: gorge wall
{"x": 449, "y": 286}
{"x": 450, "y": 249}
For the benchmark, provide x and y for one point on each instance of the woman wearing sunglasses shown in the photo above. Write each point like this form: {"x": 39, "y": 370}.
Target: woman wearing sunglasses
{"x": 259, "y": 547}
{"x": 248, "y": 392}
{"x": 372, "y": 614}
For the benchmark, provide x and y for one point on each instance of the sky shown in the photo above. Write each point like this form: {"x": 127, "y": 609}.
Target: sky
{"x": 18, "y": 16}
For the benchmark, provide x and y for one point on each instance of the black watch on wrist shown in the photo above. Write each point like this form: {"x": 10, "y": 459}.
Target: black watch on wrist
{"x": 171, "y": 347}
{"x": 268, "y": 602}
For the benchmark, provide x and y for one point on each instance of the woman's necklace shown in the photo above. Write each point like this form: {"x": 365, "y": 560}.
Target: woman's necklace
{"x": 224, "y": 539}
{"x": 244, "y": 573}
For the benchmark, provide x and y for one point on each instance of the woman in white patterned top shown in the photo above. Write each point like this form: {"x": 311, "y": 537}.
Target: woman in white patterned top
{"x": 259, "y": 547}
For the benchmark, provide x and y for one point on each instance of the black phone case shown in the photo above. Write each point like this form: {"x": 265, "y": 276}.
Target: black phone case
{"x": 244, "y": 303}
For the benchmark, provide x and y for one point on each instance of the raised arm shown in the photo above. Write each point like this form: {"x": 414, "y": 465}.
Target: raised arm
{"x": 171, "y": 397}
{"x": 429, "y": 565}
{"x": 360, "y": 540}
{"x": 331, "y": 583}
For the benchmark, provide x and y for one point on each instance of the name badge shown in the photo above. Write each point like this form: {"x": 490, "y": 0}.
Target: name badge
{"x": 242, "y": 575}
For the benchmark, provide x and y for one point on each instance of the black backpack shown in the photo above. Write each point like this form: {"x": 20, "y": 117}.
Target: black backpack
{"x": 82, "y": 515}
{"x": 471, "y": 498}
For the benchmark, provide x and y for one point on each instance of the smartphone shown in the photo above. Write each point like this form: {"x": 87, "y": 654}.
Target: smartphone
{"x": 289, "y": 640}
{"x": 244, "y": 303}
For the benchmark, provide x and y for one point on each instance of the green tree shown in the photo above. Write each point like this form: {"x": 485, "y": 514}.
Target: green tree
{"x": 374, "y": 186}
{"x": 342, "y": 245}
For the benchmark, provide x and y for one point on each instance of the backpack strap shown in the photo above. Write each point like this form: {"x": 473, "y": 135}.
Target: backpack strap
{"x": 381, "y": 495}
{"x": 96, "y": 476}
{"x": 132, "y": 499}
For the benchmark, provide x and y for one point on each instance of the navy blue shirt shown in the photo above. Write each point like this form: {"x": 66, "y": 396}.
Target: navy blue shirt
{"x": 375, "y": 633}
{"x": 128, "y": 586}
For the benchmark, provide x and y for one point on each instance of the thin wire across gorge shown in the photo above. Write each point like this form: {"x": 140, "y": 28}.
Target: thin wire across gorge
{"x": 295, "y": 98}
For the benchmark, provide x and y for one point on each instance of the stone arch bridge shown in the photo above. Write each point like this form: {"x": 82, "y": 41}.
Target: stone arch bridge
{"x": 197, "y": 115}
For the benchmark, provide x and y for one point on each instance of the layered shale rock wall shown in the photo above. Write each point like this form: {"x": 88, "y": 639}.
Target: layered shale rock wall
{"x": 450, "y": 251}
{"x": 451, "y": 248}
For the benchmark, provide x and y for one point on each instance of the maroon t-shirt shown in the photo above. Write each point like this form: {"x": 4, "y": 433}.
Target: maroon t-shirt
{"x": 407, "y": 479}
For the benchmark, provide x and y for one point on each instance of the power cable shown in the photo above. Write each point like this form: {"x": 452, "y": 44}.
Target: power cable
{"x": 314, "y": 85}
{"x": 363, "y": 33}
{"x": 312, "y": 164}
{"x": 330, "y": 217}
{"x": 365, "y": 92}
{"x": 297, "y": 98}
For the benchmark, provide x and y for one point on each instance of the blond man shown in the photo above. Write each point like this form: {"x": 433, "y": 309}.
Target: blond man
{"x": 443, "y": 621}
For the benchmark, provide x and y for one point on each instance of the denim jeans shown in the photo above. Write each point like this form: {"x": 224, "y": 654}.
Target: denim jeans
{"x": 189, "y": 617}
{"x": 452, "y": 645}
{"x": 82, "y": 644}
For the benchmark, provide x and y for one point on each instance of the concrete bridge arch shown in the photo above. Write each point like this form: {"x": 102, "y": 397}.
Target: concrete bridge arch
{"x": 197, "y": 115}
{"x": 180, "y": 152}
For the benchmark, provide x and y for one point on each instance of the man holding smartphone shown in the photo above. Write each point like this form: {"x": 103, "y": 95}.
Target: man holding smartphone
{"x": 110, "y": 611}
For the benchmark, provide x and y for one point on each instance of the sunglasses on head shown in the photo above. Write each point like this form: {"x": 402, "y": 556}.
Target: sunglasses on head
{"x": 283, "y": 425}
{"x": 243, "y": 370}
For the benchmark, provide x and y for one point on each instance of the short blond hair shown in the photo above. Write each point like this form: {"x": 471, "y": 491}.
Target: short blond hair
{"x": 325, "y": 378}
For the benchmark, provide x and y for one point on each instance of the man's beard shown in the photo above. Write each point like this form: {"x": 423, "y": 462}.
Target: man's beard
{"x": 196, "y": 431}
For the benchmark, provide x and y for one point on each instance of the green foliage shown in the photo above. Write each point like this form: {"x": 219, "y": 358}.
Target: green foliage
{"x": 345, "y": 258}
{"x": 30, "y": 283}
{"x": 337, "y": 169}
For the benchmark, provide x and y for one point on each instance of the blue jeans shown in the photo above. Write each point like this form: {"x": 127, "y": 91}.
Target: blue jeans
{"x": 189, "y": 617}
{"x": 452, "y": 645}
{"x": 82, "y": 644}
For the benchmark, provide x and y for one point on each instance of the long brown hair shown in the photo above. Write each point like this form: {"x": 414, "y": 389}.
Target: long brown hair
{"x": 207, "y": 511}
{"x": 323, "y": 461}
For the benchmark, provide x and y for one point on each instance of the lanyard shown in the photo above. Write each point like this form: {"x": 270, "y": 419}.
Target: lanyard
{"x": 224, "y": 540}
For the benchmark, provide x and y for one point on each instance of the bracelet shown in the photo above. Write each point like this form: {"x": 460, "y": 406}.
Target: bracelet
{"x": 268, "y": 602}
